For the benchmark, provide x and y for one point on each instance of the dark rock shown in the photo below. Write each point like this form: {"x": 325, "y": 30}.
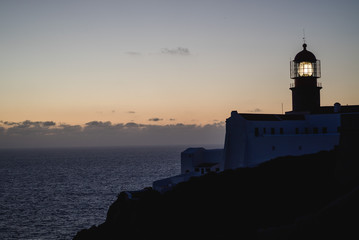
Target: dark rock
{"x": 286, "y": 198}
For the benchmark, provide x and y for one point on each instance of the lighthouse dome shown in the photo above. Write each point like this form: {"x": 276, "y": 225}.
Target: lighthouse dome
{"x": 305, "y": 55}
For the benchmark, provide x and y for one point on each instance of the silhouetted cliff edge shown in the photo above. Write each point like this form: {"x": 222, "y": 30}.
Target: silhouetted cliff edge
{"x": 286, "y": 198}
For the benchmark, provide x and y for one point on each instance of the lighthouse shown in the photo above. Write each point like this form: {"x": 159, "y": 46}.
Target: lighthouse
{"x": 252, "y": 139}
{"x": 305, "y": 70}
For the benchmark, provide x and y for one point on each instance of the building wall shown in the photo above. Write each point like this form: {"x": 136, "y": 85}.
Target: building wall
{"x": 264, "y": 148}
{"x": 235, "y": 141}
{"x": 192, "y": 157}
{"x": 214, "y": 156}
{"x": 249, "y": 143}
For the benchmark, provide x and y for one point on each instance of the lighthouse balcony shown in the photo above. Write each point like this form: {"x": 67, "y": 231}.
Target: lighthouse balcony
{"x": 293, "y": 85}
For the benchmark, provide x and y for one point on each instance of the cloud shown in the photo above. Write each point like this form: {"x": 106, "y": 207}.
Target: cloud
{"x": 101, "y": 128}
{"x": 180, "y": 51}
{"x": 155, "y": 119}
{"x": 30, "y": 124}
{"x": 98, "y": 124}
{"x": 132, "y": 125}
{"x": 256, "y": 110}
{"x": 133, "y": 53}
{"x": 105, "y": 133}
{"x": 67, "y": 128}
{"x": 9, "y": 123}
{"x": 49, "y": 123}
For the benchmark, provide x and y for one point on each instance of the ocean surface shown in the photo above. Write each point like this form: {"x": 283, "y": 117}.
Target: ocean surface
{"x": 54, "y": 193}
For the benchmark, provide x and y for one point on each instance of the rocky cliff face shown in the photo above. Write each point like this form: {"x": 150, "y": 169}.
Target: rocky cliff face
{"x": 281, "y": 198}
{"x": 337, "y": 220}
{"x": 348, "y": 158}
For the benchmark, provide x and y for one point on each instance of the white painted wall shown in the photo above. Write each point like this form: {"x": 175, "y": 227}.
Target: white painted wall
{"x": 235, "y": 141}
{"x": 192, "y": 157}
{"x": 244, "y": 149}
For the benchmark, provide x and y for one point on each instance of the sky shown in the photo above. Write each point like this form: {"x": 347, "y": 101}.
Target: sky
{"x": 158, "y": 65}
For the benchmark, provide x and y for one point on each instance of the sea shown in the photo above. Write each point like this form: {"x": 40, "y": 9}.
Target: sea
{"x": 54, "y": 193}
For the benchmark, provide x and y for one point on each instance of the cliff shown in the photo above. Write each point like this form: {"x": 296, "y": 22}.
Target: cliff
{"x": 285, "y": 198}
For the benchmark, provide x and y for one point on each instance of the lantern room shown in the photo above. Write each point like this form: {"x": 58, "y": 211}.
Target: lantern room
{"x": 305, "y": 64}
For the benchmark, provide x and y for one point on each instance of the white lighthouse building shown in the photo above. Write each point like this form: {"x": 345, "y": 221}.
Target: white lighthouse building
{"x": 252, "y": 139}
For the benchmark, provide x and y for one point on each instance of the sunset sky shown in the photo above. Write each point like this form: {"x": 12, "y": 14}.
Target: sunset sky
{"x": 167, "y": 62}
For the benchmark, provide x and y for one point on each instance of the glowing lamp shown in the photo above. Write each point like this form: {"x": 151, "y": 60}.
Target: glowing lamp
{"x": 305, "y": 69}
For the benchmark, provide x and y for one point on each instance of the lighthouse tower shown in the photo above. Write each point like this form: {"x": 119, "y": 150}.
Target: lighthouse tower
{"x": 305, "y": 70}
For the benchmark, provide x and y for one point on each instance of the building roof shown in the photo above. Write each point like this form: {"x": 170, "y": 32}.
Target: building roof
{"x": 271, "y": 117}
{"x": 305, "y": 55}
{"x": 300, "y": 116}
{"x": 193, "y": 150}
{"x": 341, "y": 109}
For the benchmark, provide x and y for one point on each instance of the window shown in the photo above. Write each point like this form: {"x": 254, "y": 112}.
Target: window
{"x": 256, "y": 132}
{"x": 296, "y": 130}
{"x": 273, "y": 148}
{"x": 196, "y": 169}
{"x": 338, "y": 129}
{"x": 281, "y": 131}
{"x": 272, "y": 131}
{"x": 300, "y": 147}
{"x": 315, "y": 130}
{"x": 264, "y": 130}
{"x": 325, "y": 130}
{"x": 217, "y": 169}
{"x": 306, "y": 130}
